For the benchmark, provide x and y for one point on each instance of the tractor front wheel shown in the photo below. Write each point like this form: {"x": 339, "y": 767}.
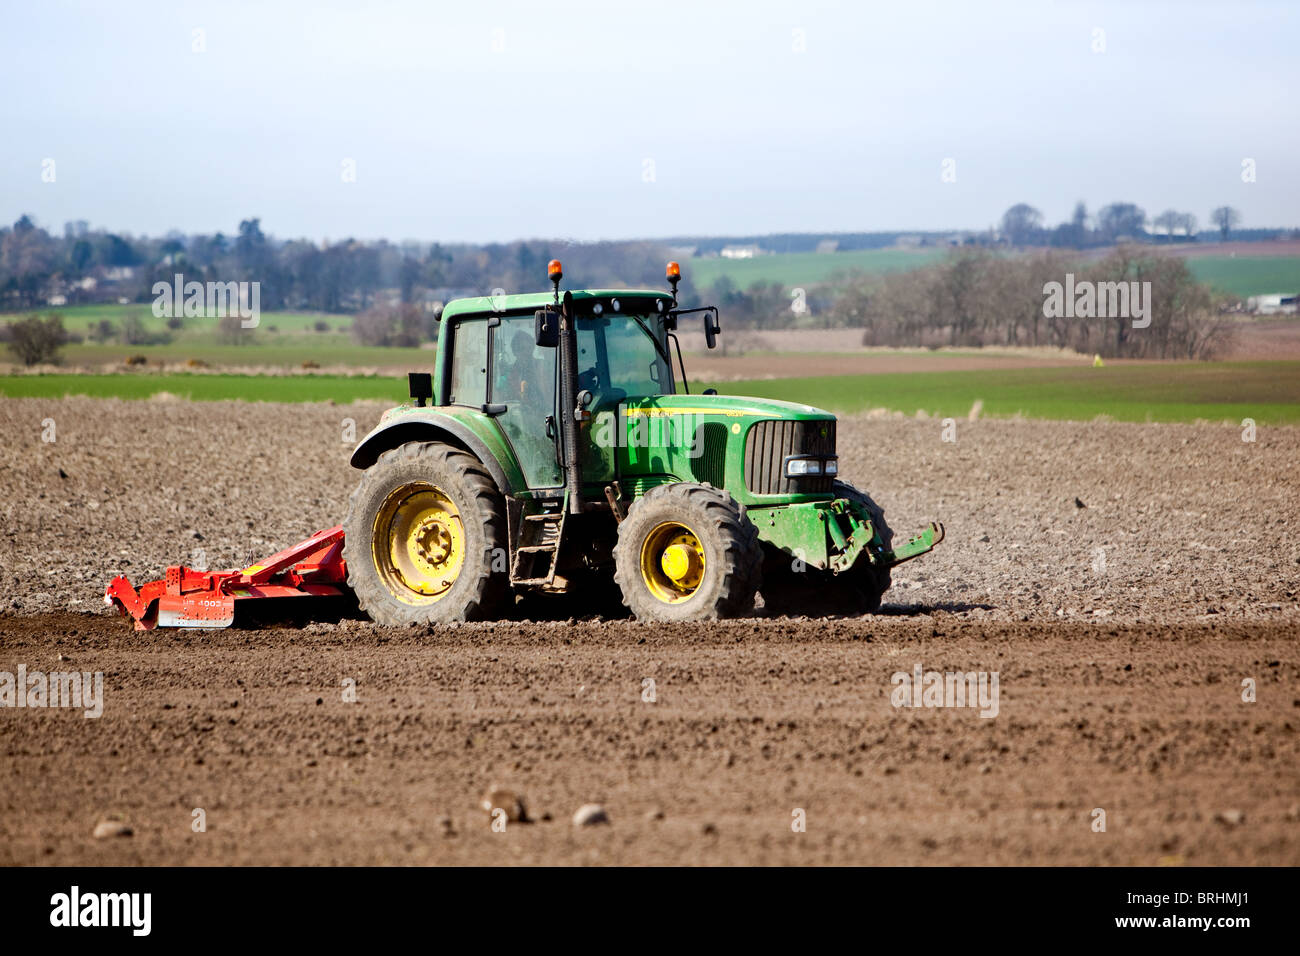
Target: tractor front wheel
{"x": 687, "y": 552}
{"x": 425, "y": 538}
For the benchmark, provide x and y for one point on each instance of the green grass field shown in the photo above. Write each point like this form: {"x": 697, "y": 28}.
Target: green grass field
{"x": 805, "y": 268}
{"x": 80, "y": 318}
{"x": 209, "y": 388}
{"x": 1268, "y": 392}
{"x": 281, "y": 339}
{"x": 283, "y": 352}
{"x": 1248, "y": 275}
{"x": 1238, "y": 275}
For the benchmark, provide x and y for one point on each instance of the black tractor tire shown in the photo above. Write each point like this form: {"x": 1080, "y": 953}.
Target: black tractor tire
{"x": 732, "y": 558}
{"x": 814, "y": 592}
{"x": 481, "y": 589}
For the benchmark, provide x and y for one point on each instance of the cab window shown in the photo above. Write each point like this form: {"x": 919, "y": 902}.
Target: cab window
{"x": 522, "y": 372}
{"x": 469, "y": 363}
{"x": 617, "y": 360}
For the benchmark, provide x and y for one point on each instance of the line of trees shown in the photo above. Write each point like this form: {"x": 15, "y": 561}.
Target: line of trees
{"x": 978, "y": 298}
{"x": 975, "y": 297}
{"x": 1022, "y": 225}
{"x": 84, "y": 266}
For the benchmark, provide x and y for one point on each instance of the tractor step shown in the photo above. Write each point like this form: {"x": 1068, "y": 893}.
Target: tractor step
{"x": 537, "y": 553}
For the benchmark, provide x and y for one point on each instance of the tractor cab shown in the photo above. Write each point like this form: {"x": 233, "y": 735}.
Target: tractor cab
{"x": 501, "y": 356}
{"x": 505, "y": 356}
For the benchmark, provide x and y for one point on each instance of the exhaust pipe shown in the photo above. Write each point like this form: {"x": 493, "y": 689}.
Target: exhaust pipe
{"x": 569, "y": 404}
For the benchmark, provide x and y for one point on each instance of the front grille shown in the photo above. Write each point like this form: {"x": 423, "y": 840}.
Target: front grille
{"x": 771, "y": 441}
{"x": 710, "y": 462}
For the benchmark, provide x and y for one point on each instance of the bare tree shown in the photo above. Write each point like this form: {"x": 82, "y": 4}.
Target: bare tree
{"x": 1171, "y": 221}
{"x": 1021, "y": 223}
{"x": 1168, "y": 220}
{"x": 35, "y": 340}
{"x": 231, "y": 331}
{"x": 400, "y": 326}
{"x": 1224, "y": 218}
{"x": 1121, "y": 220}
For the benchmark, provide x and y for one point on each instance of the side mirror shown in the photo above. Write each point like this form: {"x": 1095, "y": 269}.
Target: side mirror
{"x": 547, "y": 330}
{"x": 420, "y": 385}
{"x": 711, "y": 329}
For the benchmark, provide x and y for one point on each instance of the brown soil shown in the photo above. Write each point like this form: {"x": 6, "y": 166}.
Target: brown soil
{"x": 1265, "y": 339}
{"x": 1121, "y": 681}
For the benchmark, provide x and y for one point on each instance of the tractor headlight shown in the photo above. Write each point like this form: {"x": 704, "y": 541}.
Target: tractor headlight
{"x": 832, "y": 467}
{"x": 802, "y": 467}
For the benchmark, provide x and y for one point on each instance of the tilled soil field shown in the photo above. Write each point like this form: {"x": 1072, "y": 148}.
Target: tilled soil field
{"x": 1129, "y": 585}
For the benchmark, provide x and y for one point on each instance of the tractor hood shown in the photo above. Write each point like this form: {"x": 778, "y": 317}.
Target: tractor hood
{"x": 730, "y": 441}
{"x": 724, "y": 406}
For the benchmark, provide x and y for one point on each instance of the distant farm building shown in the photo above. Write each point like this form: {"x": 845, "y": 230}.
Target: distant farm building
{"x": 741, "y": 252}
{"x": 1276, "y": 303}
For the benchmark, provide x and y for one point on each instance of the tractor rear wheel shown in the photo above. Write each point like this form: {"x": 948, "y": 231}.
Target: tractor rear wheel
{"x": 687, "y": 552}
{"x": 425, "y": 538}
{"x": 815, "y": 592}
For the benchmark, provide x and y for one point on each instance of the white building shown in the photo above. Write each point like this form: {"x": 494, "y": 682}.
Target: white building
{"x": 1275, "y": 303}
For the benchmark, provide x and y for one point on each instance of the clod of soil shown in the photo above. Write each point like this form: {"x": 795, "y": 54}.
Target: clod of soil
{"x": 509, "y": 802}
{"x": 107, "y": 829}
{"x": 590, "y": 814}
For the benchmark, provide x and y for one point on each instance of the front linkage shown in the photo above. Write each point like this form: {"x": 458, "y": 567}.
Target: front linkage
{"x": 834, "y": 535}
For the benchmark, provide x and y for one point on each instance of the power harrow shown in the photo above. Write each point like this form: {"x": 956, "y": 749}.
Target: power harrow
{"x": 189, "y": 598}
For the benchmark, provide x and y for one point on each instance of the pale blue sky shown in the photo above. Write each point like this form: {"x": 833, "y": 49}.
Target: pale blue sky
{"x": 550, "y": 136}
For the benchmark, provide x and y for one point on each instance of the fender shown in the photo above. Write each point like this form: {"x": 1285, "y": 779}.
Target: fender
{"x": 430, "y": 426}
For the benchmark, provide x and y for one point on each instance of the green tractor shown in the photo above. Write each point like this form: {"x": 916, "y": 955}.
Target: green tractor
{"x": 557, "y": 448}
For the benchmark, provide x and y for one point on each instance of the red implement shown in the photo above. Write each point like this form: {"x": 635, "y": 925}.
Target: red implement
{"x": 189, "y": 598}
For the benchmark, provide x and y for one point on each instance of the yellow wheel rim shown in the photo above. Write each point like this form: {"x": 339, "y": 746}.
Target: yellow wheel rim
{"x": 418, "y": 543}
{"x": 672, "y": 562}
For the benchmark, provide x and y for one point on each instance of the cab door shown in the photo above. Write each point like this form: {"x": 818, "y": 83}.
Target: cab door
{"x": 523, "y": 380}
